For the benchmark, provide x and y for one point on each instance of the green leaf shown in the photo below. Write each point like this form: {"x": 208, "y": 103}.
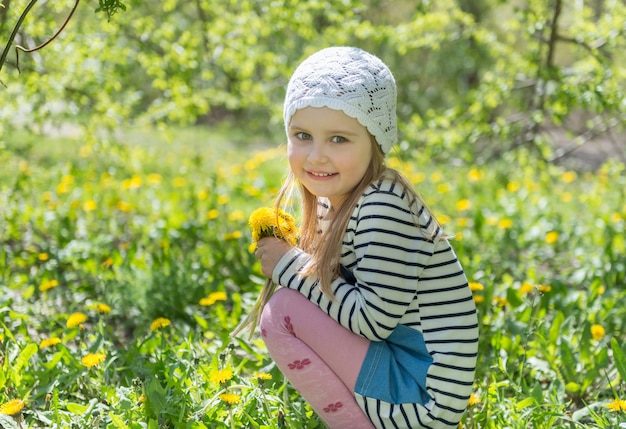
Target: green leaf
{"x": 514, "y": 298}
{"x": 201, "y": 321}
{"x": 620, "y": 360}
{"x": 157, "y": 395}
{"x": 555, "y": 330}
{"x": 524, "y": 403}
{"x": 7, "y": 422}
{"x": 118, "y": 422}
{"x": 77, "y": 409}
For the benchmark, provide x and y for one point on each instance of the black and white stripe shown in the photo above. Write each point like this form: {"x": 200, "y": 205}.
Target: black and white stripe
{"x": 401, "y": 277}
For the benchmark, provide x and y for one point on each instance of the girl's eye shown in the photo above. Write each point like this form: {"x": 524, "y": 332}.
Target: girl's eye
{"x": 303, "y": 136}
{"x": 338, "y": 139}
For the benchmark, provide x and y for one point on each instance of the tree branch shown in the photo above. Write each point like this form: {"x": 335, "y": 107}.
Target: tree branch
{"x": 20, "y": 20}
{"x": 44, "y": 44}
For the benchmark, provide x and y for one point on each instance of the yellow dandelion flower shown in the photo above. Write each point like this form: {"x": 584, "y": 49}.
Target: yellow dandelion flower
{"x": 616, "y": 217}
{"x": 443, "y": 188}
{"x": 436, "y": 177}
{"x": 617, "y": 405}
{"x": 568, "y": 176}
{"x": 212, "y": 214}
{"x": 66, "y": 184}
{"x": 601, "y": 289}
{"x": 552, "y": 237}
{"x": 49, "y": 342}
{"x": 443, "y": 219}
{"x": 90, "y": 205}
{"x": 475, "y": 175}
{"x": 212, "y": 298}
{"x": 544, "y": 288}
{"x": 566, "y": 197}
{"x": 48, "y": 284}
{"x": 233, "y": 235}
{"x": 13, "y": 407}
{"x": 43, "y": 256}
{"x": 526, "y": 288}
{"x": 93, "y": 359}
{"x": 179, "y": 182}
{"x": 76, "y": 319}
{"x": 203, "y": 194}
{"x": 221, "y": 375}
{"x": 500, "y": 301}
{"x": 417, "y": 177}
{"x": 262, "y": 376}
{"x": 154, "y": 179}
{"x": 134, "y": 182}
{"x": 475, "y": 286}
{"x": 512, "y": 187}
{"x": 236, "y": 215}
{"x": 505, "y": 223}
{"x": 222, "y": 199}
{"x": 123, "y": 206}
{"x": 479, "y": 299}
{"x": 473, "y": 400}
{"x": 102, "y": 308}
{"x": 272, "y": 222}
{"x": 597, "y": 332}
{"x": 160, "y": 322}
{"x": 230, "y": 398}
{"x": 463, "y": 205}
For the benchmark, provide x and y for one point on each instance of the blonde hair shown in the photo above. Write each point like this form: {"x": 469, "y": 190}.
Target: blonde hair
{"x": 325, "y": 248}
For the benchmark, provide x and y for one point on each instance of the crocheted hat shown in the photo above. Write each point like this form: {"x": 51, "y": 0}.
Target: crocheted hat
{"x": 351, "y": 80}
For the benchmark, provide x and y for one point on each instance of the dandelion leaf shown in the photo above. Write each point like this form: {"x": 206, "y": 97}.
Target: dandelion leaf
{"x": 77, "y": 409}
{"x": 7, "y": 422}
{"x": 620, "y": 360}
{"x": 157, "y": 396}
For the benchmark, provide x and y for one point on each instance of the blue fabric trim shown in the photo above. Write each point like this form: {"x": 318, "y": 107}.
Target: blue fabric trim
{"x": 394, "y": 370}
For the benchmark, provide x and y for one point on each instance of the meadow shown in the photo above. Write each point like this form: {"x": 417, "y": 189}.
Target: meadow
{"x": 125, "y": 265}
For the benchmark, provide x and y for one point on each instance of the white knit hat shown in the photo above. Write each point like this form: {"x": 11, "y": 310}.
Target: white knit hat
{"x": 351, "y": 80}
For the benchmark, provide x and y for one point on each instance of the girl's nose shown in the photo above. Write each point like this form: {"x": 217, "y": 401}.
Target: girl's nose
{"x": 317, "y": 154}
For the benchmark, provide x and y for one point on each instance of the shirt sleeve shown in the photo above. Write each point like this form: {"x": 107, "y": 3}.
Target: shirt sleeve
{"x": 390, "y": 254}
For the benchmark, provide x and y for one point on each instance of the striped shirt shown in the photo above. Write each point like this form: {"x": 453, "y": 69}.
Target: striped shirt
{"x": 409, "y": 296}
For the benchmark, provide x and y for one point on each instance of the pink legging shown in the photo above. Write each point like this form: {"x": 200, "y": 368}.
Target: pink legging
{"x": 320, "y": 357}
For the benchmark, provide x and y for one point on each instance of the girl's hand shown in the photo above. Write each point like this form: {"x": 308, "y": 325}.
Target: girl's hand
{"x": 269, "y": 251}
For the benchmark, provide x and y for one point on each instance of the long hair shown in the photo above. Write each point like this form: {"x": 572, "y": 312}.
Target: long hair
{"x": 325, "y": 248}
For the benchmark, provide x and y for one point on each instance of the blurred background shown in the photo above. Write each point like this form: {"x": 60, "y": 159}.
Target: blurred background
{"x": 478, "y": 80}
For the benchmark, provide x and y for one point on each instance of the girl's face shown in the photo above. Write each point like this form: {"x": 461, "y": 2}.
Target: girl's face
{"x": 329, "y": 152}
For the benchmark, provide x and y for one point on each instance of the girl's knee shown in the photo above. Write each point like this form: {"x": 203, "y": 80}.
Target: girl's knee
{"x": 276, "y": 313}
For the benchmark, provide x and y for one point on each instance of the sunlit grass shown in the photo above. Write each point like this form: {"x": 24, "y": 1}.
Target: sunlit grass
{"x": 125, "y": 266}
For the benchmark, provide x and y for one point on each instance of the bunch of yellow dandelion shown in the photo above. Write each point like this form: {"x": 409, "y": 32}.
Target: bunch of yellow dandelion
{"x": 272, "y": 222}
{"x": 267, "y": 222}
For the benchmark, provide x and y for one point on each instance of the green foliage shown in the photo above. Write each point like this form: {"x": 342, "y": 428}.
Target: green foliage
{"x": 149, "y": 240}
{"x": 476, "y": 79}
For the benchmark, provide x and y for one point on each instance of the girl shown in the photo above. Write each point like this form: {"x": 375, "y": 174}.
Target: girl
{"x": 374, "y": 323}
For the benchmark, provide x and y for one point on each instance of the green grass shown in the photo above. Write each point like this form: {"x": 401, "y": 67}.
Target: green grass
{"x": 150, "y": 225}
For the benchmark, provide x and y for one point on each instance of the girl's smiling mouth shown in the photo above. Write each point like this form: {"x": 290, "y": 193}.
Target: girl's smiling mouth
{"x": 321, "y": 174}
